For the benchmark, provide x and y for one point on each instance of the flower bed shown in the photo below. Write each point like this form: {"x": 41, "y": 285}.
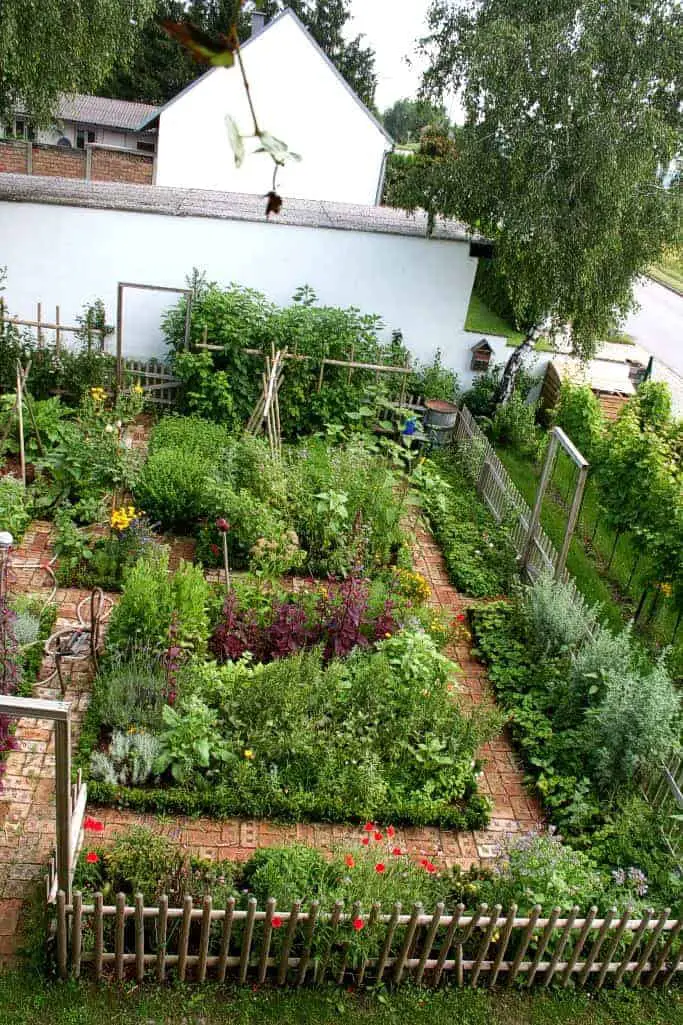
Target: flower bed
{"x": 590, "y": 716}
{"x": 333, "y": 705}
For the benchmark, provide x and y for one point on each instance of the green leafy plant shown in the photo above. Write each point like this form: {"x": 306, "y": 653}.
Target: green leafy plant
{"x": 15, "y": 507}
{"x": 130, "y": 758}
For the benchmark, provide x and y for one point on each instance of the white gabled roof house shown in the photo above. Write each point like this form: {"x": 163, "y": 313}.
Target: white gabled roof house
{"x": 299, "y": 97}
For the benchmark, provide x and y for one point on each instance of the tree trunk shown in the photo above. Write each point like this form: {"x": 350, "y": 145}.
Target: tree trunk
{"x": 507, "y": 381}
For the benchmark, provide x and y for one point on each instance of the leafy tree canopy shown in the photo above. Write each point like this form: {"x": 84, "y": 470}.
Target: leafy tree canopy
{"x": 405, "y": 120}
{"x": 160, "y": 68}
{"x": 62, "y": 46}
{"x": 572, "y": 110}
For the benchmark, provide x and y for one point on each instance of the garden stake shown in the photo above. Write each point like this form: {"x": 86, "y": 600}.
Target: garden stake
{"x": 226, "y": 563}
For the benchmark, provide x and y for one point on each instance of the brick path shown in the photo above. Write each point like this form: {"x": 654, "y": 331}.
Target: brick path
{"x": 27, "y": 804}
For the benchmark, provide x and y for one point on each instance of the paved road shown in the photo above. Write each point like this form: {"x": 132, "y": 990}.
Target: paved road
{"x": 658, "y": 324}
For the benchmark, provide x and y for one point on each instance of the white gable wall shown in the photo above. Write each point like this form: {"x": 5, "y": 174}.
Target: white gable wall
{"x": 298, "y": 98}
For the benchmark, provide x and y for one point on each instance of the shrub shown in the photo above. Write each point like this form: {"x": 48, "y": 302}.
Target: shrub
{"x": 635, "y": 726}
{"x": 175, "y": 488}
{"x": 190, "y": 433}
{"x": 130, "y": 692}
{"x": 129, "y": 760}
{"x": 206, "y": 391}
{"x": 559, "y": 619}
{"x": 580, "y": 416}
{"x": 14, "y": 510}
{"x": 142, "y": 617}
{"x": 434, "y": 380}
{"x": 514, "y": 425}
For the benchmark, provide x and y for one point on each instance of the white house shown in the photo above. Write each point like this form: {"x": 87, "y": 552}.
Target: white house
{"x": 81, "y": 120}
{"x": 299, "y": 97}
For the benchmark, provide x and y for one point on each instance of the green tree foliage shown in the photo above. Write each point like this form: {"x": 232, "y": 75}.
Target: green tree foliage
{"x": 425, "y": 179}
{"x": 405, "y": 120}
{"x": 580, "y": 416}
{"x": 62, "y": 46}
{"x": 160, "y": 68}
{"x": 572, "y": 109}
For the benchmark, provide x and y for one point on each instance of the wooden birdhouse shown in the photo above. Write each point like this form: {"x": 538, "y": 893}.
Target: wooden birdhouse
{"x": 481, "y": 355}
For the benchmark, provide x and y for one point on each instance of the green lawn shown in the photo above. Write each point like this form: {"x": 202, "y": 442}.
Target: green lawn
{"x": 669, "y": 270}
{"x": 482, "y": 319}
{"x": 26, "y": 999}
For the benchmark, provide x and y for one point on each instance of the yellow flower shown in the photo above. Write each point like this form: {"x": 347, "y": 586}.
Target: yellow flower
{"x": 666, "y": 590}
{"x": 249, "y": 754}
{"x": 138, "y": 389}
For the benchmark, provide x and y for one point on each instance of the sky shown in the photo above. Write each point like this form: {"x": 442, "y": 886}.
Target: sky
{"x": 391, "y": 28}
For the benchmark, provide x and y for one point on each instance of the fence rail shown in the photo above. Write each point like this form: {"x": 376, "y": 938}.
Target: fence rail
{"x": 159, "y": 385}
{"x": 296, "y": 947}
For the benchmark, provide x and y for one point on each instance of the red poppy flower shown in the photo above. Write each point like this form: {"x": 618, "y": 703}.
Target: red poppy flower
{"x": 93, "y": 825}
{"x": 397, "y": 851}
{"x": 92, "y": 858}
{"x": 358, "y": 924}
{"x": 461, "y": 617}
{"x": 222, "y": 525}
{"x": 276, "y": 922}
{"x": 215, "y": 550}
{"x": 365, "y": 841}
{"x": 424, "y": 862}
{"x": 368, "y": 827}
{"x": 429, "y": 867}
{"x": 391, "y": 831}
{"x": 378, "y": 836}
{"x": 380, "y": 867}
{"x": 348, "y": 861}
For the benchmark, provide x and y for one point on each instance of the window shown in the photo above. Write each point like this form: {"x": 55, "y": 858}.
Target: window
{"x": 146, "y": 146}
{"x": 84, "y": 135}
{"x": 20, "y": 129}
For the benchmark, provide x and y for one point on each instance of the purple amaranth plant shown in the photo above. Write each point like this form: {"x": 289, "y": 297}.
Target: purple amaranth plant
{"x": 289, "y": 631}
{"x": 236, "y": 634}
{"x": 171, "y": 660}
{"x": 347, "y": 619}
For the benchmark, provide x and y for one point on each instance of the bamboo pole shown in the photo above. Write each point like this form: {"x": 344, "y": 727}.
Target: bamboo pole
{"x": 162, "y": 937}
{"x": 356, "y": 912}
{"x": 524, "y": 943}
{"x": 20, "y": 418}
{"x": 225, "y": 938}
{"x": 447, "y": 943}
{"x": 289, "y": 939}
{"x": 139, "y": 937}
{"x": 372, "y": 922}
{"x": 321, "y": 968}
{"x": 58, "y": 336}
{"x": 39, "y": 319}
{"x": 660, "y": 960}
{"x": 545, "y": 940}
{"x": 265, "y": 944}
{"x": 649, "y": 946}
{"x": 247, "y": 939}
{"x": 184, "y": 937}
{"x": 503, "y": 945}
{"x": 204, "y": 937}
{"x": 308, "y": 942}
{"x": 119, "y": 926}
{"x": 484, "y": 945}
{"x": 595, "y": 949}
{"x": 62, "y": 950}
{"x": 77, "y": 934}
{"x": 98, "y": 928}
{"x": 559, "y": 949}
{"x": 399, "y": 967}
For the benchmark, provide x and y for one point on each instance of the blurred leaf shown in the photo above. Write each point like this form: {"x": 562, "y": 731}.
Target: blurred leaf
{"x": 276, "y": 148}
{"x": 236, "y": 140}
{"x": 217, "y": 51}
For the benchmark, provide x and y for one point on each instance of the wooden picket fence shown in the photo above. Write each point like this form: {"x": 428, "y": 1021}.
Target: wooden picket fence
{"x": 664, "y": 791}
{"x": 295, "y": 947}
{"x": 159, "y": 385}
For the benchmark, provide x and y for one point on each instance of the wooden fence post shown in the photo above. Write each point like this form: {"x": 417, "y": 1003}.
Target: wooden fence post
{"x": 525, "y": 557}
{"x": 399, "y": 967}
{"x": 63, "y": 801}
{"x": 62, "y": 948}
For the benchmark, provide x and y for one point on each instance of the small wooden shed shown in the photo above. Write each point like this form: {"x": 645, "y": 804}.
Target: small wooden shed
{"x": 609, "y": 380}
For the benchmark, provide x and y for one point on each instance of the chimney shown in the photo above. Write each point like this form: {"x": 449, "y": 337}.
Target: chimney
{"x": 258, "y": 22}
